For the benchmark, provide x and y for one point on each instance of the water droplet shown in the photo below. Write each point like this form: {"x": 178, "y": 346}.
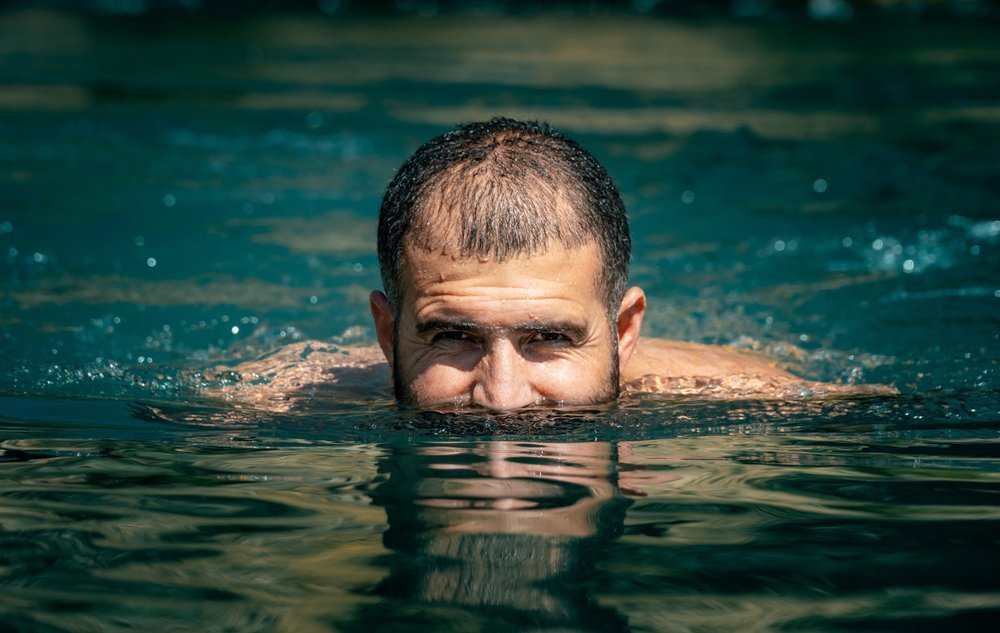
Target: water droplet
{"x": 819, "y": 185}
{"x": 151, "y": 262}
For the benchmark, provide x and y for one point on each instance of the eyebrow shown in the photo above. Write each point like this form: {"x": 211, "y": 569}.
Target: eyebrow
{"x": 574, "y": 330}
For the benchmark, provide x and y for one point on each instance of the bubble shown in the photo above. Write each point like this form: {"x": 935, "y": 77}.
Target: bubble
{"x": 996, "y": 293}
{"x": 878, "y": 244}
{"x": 908, "y": 266}
{"x": 687, "y": 197}
{"x": 6, "y": 227}
{"x": 314, "y": 120}
{"x": 313, "y": 299}
{"x": 151, "y": 262}
{"x": 985, "y": 230}
{"x": 267, "y": 198}
{"x": 139, "y": 240}
{"x": 235, "y": 329}
{"x": 169, "y": 200}
{"x": 12, "y": 252}
{"x": 39, "y": 258}
{"x": 779, "y": 245}
{"x": 358, "y": 267}
{"x": 974, "y": 250}
{"x": 819, "y": 185}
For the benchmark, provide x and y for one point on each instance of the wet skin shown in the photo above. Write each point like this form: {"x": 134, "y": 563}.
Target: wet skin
{"x": 531, "y": 331}
{"x": 506, "y": 335}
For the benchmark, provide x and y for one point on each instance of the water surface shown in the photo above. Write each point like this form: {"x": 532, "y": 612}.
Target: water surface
{"x": 181, "y": 195}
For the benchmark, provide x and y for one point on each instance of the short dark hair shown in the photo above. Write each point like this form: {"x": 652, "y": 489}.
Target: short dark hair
{"x": 502, "y": 189}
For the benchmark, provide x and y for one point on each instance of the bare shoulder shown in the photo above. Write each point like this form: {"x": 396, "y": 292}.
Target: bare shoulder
{"x": 303, "y": 375}
{"x": 661, "y": 366}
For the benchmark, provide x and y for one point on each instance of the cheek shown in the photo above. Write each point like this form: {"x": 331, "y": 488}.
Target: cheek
{"x": 434, "y": 382}
{"x": 572, "y": 380}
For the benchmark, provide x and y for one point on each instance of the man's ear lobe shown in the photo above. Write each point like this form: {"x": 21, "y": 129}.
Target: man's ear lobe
{"x": 384, "y": 326}
{"x": 629, "y": 324}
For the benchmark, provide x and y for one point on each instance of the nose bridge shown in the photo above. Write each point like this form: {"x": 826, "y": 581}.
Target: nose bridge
{"x": 503, "y": 377}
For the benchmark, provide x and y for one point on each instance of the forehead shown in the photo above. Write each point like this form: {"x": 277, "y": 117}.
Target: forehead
{"x": 557, "y": 279}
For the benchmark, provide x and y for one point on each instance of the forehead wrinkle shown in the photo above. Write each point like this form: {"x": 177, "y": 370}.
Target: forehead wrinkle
{"x": 435, "y": 269}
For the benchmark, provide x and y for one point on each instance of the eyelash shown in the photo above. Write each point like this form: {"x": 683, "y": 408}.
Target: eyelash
{"x": 550, "y": 337}
{"x": 452, "y": 336}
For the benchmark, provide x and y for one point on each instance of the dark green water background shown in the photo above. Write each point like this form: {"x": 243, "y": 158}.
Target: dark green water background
{"x": 179, "y": 192}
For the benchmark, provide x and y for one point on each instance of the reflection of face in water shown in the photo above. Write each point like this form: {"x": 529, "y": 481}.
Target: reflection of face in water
{"x": 514, "y": 528}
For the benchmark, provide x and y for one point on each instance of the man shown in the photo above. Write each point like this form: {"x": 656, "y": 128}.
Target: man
{"x": 504, "y": 251}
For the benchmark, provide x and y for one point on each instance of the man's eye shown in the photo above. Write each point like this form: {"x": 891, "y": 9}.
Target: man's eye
{"x": 551, "y": 337}
{"x": 453, "y": 336}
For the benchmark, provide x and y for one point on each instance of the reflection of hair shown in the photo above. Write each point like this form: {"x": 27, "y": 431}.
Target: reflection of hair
{"x": 502, "y": 189}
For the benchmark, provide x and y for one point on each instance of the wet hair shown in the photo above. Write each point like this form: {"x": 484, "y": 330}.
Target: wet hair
{"x": 501, "y": 189}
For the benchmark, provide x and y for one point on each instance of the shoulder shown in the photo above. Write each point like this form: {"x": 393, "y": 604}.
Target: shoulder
{"x": 673, "y": 358}
{"x": 304, "y": 375}
{"x": 661, "y": 366}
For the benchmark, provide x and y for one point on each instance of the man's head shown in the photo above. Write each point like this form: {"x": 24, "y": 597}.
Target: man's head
{"x": 504, "y": 251}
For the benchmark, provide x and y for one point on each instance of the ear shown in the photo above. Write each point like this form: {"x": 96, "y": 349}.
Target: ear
{"x": 382, "y": 315}
{"x": 629, "y": 323}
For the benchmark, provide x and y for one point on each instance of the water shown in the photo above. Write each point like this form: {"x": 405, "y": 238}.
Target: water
{"x": 178, "y": 196}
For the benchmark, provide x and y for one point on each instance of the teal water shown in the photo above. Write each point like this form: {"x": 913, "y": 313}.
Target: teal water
{"x": 178, "y": 195}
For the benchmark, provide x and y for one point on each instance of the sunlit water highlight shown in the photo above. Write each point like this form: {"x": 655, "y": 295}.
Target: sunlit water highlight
{"x": 177, "y": 197}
